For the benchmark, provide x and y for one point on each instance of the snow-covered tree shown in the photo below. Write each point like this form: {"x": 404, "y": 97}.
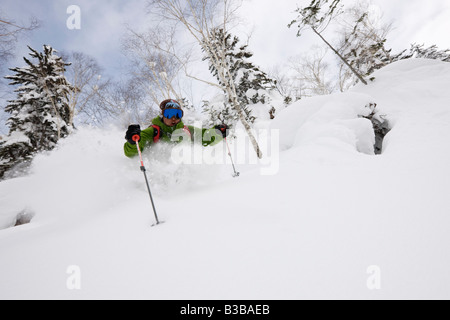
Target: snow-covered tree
{"x": 364, "y": 38}
{"x": 218, "y": 112}
{"x": 317, "y": 16}
{"x": 418, "y": 51}
{"x": 40, "y": 114}
{"x": 199, "y": 18}
{"x": 253, "y": 86}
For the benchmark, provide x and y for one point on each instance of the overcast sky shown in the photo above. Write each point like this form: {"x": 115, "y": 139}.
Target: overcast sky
{"x": 417, "y": 21}
{"x": 102, "y": 26}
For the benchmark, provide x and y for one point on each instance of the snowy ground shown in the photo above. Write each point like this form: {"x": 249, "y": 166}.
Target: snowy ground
{"x": 333, "y": 222}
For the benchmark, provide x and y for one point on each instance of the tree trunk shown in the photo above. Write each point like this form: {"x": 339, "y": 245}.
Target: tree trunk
{"x": 247, "y": 127}
{"x": 228, "y": 84}
{"x": 341, "y": 57}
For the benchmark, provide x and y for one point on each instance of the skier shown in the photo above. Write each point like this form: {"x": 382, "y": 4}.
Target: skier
{"x": 169, "y": 128}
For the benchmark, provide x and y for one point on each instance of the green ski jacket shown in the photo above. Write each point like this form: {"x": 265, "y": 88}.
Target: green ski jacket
{"x": 175, "y": 134}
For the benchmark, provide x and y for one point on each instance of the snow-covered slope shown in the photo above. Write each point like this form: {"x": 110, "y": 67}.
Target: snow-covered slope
{"x": 334, "y": 222}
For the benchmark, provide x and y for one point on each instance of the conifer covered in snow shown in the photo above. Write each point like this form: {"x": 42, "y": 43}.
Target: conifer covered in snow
{"x": 39, "y": 116}
{"x": 253, "y": 86}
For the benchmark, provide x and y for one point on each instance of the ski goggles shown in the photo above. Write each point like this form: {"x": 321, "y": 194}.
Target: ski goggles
{"x": 170, "y": 113}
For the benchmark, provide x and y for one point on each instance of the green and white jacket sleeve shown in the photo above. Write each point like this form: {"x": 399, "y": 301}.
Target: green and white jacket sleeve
{"x": 208, "y": 137}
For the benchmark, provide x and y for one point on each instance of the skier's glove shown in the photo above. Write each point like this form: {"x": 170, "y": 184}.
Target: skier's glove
{"x": 133, "y": 130}
{"x": 222, "y": 128}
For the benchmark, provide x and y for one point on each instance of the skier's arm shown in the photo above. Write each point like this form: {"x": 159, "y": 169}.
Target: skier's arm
{"x": 208, "y": 137}
{"x": 130, "y": 150}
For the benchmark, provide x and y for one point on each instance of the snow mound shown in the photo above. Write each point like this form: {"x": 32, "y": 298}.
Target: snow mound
{"x": 327, "y": 120}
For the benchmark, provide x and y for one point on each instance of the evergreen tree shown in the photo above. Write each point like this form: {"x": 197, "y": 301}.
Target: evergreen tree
{"x": 252, "y": 84}
{"x": 40, "y": 114}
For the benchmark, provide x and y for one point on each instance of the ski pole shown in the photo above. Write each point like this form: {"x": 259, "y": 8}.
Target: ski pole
{"x": 236, "y": 174}
{"x": 136, "y": 139}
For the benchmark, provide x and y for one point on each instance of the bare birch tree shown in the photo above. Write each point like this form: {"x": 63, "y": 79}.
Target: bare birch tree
{"x": 200, "y": 18}
{"x": 313, "y": 71}
{"x": 153, "y": 63}
{"x": 287, "y": 86}
{"x": 84, "y": 74}
{"x": 9, "y": 33}
{"x": 123, "y": 101}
